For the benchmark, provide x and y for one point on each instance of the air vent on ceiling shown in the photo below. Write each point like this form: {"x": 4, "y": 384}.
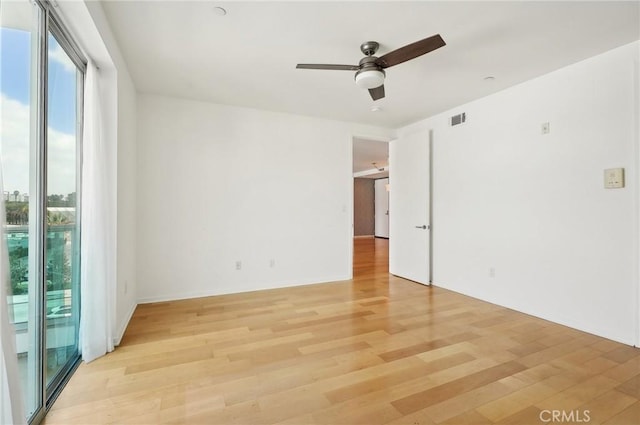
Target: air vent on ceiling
{"x": 458, "y": 119}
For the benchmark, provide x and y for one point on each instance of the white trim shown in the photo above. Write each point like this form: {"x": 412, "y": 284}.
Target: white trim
{"x": 254, "y": 287}
{"x": 120, "y": 332}
{"x": 564, "y": 320}
{"x": 636, "y": 195}
{"x": 373, "y": 138}
{"x": 364, "y": 173}
{"x": 349, "y": 207}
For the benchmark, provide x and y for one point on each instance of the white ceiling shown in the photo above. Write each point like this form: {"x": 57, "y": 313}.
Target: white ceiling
{"x": 248, "y": 57}
{"x": 366, "y": 152}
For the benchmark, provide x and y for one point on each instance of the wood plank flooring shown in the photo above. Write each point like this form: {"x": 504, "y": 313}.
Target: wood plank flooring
{"x": 373, "y": 350}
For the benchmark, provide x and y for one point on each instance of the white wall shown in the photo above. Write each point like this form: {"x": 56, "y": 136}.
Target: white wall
{"x": 207, "y": 192}
{"x": 124, "y": 170}
{"x": 532, "y": 207}
{"x": 126, "y": 292}
{"x": 220, "y": 184}
{"x": 88, "y": 24}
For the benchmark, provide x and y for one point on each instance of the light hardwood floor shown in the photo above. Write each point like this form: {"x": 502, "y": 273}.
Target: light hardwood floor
{"x": 373, "y": 350}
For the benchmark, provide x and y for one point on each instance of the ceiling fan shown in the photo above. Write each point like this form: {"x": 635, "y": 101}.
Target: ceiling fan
{"x": 370, "y": 71}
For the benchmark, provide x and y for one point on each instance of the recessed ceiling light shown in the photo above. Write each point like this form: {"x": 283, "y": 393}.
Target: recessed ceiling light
{"x": 220, "y": 11}
{"x": 376, "y": 109}
{"x": 489, "y": 78}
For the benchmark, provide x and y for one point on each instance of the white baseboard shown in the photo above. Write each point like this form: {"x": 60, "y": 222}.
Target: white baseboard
{"x": 251, "y": 288}
{"x": 120, "y": 332}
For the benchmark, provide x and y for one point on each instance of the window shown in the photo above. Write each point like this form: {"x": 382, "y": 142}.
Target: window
{"x": 41, "y": 88}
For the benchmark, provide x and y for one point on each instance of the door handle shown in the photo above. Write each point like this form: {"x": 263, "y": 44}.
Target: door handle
{"x": 423, "y": 227}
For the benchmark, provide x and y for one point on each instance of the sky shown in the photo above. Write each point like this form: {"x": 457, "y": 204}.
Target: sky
{"x": 15, "y": 114}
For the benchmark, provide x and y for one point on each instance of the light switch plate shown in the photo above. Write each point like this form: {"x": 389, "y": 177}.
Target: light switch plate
{"x": 614, "y": 178}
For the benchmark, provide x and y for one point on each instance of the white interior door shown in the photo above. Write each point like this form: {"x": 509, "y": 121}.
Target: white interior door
{"x": 381, "y": 208}
{"x": 409, "y": 207}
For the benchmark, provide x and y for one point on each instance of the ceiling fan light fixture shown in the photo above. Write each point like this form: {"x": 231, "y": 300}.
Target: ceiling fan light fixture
{"x": 370, "y": 78}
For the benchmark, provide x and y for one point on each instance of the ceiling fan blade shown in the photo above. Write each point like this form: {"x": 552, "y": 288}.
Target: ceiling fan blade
{"x": 326, "y": 66}
{"x": 377, "y": 93}
{"x": 411, "y": 51}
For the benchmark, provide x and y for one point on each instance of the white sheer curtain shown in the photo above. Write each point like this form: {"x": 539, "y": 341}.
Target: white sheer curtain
{"x": 11, "y": 404}
{"x": 96, "y": 277}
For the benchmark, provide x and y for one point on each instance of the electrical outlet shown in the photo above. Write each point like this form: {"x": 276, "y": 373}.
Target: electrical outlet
{"x": 272, "y": 263}
{"x": 545, "y": 129}
{"x": 492, "y": 272}
{"x": 238, "y": 265}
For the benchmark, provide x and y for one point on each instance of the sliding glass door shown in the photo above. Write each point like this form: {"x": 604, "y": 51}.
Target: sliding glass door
{"x": 19, "y": 44}
{"x": 62, "y": 232}
{"x": 41, "y": 82}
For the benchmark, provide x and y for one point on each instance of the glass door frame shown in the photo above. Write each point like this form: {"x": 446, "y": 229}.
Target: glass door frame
{"x": 64, "y": 40}
{"x": 49, "y": 23}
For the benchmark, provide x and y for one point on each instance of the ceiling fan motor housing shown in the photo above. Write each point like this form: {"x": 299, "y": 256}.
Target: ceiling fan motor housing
{"x": 369, "y": 48}
{"x": 370, "y": 75}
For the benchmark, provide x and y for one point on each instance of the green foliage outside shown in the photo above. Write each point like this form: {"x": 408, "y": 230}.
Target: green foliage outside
{"x": 58, "y": 266}
{"x": 19, "y": 270}
{"x": 58, "y": 269}
{"x": 17, "y": 212}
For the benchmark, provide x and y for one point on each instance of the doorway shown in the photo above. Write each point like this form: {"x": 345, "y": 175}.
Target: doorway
{"x": 370, "y": 192}
{"x": 381, "y": 208}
